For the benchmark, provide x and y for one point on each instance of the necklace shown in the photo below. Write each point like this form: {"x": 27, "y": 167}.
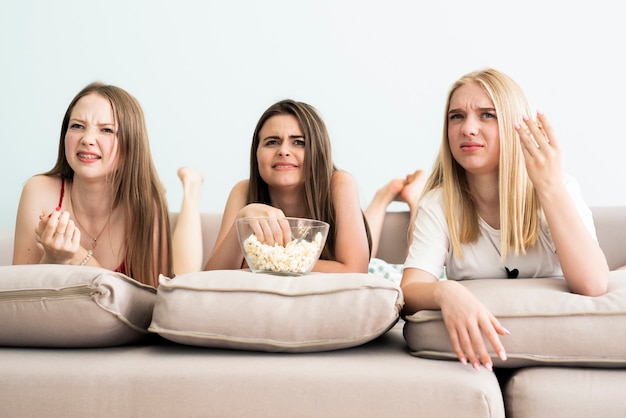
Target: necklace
{"x": 95, "y": 240}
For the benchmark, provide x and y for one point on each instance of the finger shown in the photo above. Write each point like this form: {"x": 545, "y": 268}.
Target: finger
{"x": 62, "y": 225}
{"x": 268, "y": 235}
{"x": 548, "y": 129}
{"x": 529, "y": 146}
{"x": 478, "y": 344}
{"x": 456, "y": 345}
{"x": 277, "y": 231}
{"x": 494, "y": 340}
{"x": 468, "y": 348}
{"x": 537, "y": 133}
{"x": 257, "y": 229}
{"x": 285, "y": 230}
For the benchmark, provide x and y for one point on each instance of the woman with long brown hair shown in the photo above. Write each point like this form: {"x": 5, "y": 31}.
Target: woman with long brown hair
{"x": 102, "y": 204}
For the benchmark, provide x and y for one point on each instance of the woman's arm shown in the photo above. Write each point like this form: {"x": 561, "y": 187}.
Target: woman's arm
{"x": 227, "y": 254}
{"x": 465, "y": 317}
{"x": 351, "y": 246}
{"x": 44, "y": 234}
{"x": 583, "y": 263}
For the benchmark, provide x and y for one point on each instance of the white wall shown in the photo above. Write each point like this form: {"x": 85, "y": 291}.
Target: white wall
{"x": 378, "y": 72}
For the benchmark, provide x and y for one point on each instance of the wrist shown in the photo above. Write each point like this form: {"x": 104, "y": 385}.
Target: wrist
{"x": 87, "y": 258}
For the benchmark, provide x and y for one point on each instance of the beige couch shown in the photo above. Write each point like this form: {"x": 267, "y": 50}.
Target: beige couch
{"x": 159, "y": 378}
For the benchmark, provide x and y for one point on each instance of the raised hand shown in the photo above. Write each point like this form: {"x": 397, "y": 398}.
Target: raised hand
{"x": 542, "y": 152}
{"x": 58, "y": 237}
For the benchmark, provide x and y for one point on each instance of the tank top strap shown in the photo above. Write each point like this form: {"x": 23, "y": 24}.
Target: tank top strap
{"x": 62, "y": 194}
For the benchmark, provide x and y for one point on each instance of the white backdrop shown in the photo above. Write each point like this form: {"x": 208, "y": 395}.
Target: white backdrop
{"x": 377, "y": 71}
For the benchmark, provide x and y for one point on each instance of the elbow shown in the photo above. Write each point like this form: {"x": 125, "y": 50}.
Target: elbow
{"x": 593, "y": 288}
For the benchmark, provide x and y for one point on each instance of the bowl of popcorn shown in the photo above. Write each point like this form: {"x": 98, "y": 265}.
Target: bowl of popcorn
{"x": 286, "y": 246}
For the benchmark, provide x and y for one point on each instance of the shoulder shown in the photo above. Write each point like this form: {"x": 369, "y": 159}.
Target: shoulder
{"x": 241, "y": 186}
{"x": 432, "y": 198}
{"x": 42, "y": 188}
{"x": 343, "y": 178}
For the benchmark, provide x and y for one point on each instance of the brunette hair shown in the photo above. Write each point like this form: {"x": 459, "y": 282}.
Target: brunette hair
{"x": 318, "y": 168}
{"x": 519, "y": 204}
{"x": 134, "y": 184}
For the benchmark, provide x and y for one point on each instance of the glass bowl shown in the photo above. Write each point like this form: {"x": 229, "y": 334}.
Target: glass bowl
{"x": 268, "y": 252}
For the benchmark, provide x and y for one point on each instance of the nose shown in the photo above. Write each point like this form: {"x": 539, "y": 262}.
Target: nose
{"x": 284, "y": 149}
{"x": 89, "y": 137}
{"x": 470, "y": 126}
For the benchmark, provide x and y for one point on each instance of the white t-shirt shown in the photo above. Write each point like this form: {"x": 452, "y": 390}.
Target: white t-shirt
{"x": 431, "y": 249}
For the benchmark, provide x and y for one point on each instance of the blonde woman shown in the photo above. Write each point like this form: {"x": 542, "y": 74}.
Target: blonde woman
{"x": 496, "y": 205}
{"x": 102, "y": 203}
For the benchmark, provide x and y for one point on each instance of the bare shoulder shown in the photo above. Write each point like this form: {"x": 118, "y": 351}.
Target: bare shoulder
{"x": 43, "y": 191}
{"x": 343, "y": 179}
{"x": 241, "y": 186}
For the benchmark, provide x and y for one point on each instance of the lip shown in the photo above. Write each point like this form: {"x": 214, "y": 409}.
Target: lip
{"x": 88, "y": 157}
{"x": 284, "y": 166}
{"x": 470, "y": 146}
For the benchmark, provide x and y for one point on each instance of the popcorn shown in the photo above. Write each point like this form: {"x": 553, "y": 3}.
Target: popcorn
{"x": 296, "y": 257}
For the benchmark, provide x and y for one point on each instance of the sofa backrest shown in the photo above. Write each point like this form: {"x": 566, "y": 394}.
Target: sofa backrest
{"x": 610, "y": 224}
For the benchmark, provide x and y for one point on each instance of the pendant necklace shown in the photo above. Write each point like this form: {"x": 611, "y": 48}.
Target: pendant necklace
{"x": 95, "y": 240}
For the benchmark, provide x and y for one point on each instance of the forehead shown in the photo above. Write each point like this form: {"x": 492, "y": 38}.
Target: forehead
{"x": 281, "y": 124}
{"x": 471, "y": 95}
{"x": 93, "y": 104}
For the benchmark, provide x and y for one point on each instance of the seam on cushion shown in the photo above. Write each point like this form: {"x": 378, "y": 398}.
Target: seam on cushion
{"x": 267, "y": 342}
{"x": 439, "y": 318}
{"x": 439, "y": 355}
{"x": 283, "y": 293}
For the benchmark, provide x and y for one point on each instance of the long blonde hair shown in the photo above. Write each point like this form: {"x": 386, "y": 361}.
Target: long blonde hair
{"x": 135, "y": 185}
{"x": 519, "y": 205}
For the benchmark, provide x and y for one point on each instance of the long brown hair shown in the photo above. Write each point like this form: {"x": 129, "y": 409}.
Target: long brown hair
{"x": 134, "y": 184}
{"x": 318, "y": 168}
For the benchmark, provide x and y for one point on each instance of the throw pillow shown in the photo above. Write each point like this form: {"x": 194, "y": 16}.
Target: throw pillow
{"x": 48, "y": 305}
{"x": 548, "y": 324}
{"x": 237, "y": 309}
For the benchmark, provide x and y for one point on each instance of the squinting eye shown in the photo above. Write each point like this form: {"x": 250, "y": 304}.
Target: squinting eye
{"x": 299, "y": 142}
{"x": 108, "y": 130}
{"x": 489, "y": 116}
{"x": 456, "y": 116}
{"x": 270, "y": 142}
{"x": 76, "y": 126}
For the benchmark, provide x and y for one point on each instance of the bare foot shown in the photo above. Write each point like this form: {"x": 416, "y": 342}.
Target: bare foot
{"x": 390, "y": 191}
{"x": 192, "y": 181}
{"x": 413, "y": 187}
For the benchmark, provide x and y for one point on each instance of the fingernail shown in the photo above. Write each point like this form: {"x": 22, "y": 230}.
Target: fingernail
{"x": 463, "y": 361}
{"x": 539, "y": 112}
{"x": 58, "y": 208}
{"x": 525, "y": 117}
{"x": 502, "y": 355}
{"x": 476, "y": 366}
{"x": 489, "y": 367}
{"x": 506, "y": 331}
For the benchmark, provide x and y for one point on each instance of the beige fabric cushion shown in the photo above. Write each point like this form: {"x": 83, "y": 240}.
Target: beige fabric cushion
{"x": 565, "y": 392}
{"x": 71, "y": 306}
{"x": 242, "y": 310}
{"x": 548, "y": 324}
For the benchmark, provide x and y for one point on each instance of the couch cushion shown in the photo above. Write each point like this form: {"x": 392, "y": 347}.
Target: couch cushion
{"x": 243, "y": 310}
{"x": 71, "y": 306}
{"x": 164, "y": 379}
{"x": 565, "y": 392}
{"x": 548, "y": 324}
